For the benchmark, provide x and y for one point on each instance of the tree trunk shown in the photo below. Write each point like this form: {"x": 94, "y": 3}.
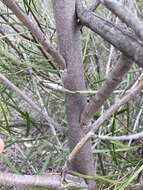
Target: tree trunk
{"x": 69, "y": 39}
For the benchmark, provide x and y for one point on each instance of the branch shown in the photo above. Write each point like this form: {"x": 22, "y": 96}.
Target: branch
{"x": 51, "y": 181}
{"x": 132, "y": 93}
{"x": 15, "y": 29}
{"x": 41, "y": 102}
{"x": 113, "y": 79}
{"x": 121, "y": 138}
{"x": 26, "y": 37}
{"x": 121, "y": 40}
{"x": 36, "y": 32}
{"x": 8, "y": 83}
{"x": 131, "y": 19}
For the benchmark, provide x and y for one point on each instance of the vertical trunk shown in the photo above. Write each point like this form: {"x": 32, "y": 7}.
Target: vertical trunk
{"x": 69, "y": 38}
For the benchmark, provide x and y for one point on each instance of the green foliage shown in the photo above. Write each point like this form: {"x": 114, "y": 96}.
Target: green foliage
{"x": 31, "y": 147}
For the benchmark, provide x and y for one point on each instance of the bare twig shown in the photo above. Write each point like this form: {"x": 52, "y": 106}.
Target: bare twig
{"x": 110, "y": 55}
{"x": 10, "y": 85}
{"x": 43, "y": 106}
{"x": 111, "y": 82}
{"x": 121, "y": 138}
{"x": 51, "y": 181}
{"x": 132, "y": 93}
{"x": 136, "y": 124}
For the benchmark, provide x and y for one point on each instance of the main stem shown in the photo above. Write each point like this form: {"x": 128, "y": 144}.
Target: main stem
{"x": 69, "y": 39}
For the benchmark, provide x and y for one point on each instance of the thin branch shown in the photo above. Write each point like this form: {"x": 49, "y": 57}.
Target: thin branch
{"x": 124, "y": 42}
{"x": 111, "y": 82}
{"x": 36, "y": 32}
{"x": 10, "y": 85}
{"x": 8, "y": 42}
{"x": 121, "y": 138}
{"x": 131, "y": 19}
{"x": 20, "y": 123}
{"x": 27, "y": 38}
{"x": 136, "y": 124}
{"x": 35, "y": 18}
{"x": 111, "y": 53}
{"x": 34, "y": 81}
{"x": 50, "y": 181}
{"x": 15, "y": 29}
{"x": 132, "y": 93}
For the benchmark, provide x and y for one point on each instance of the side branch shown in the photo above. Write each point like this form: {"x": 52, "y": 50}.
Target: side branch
{"x": 50, "y": 181}
{"x": 121, "y": 138}
{"x": 111, "y": 82}
{"x": 131, "y": 19}
{"x": 30, "y": 102}
{"x": 132, "y": 93}
{"x": 36, "y": 32}
{"x": 121, "y": 40}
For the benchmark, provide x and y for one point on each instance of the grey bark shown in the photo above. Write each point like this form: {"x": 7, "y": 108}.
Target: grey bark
{"x": 124, "y": 42}
{"x": 69, "y": 38}
{"x": 111, "y": 82}
{"x": 48, "y": 181}
{"x": 133, "y": 92}
{"x": 113, "y": 79}
{"x": 126, "y": 15}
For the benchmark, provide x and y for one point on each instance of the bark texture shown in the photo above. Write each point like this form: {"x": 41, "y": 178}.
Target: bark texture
{"x": 126, "y": 15}
{"x": 111, "y": 82}
{"x": 113, "y": 79}
{"x": 120, "y": 39}
{"x": 69, "y": 38}
{"x": 36, "y": 32}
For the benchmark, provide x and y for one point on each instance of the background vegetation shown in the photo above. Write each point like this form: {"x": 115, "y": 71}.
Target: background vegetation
{"x": 31, "y": 148}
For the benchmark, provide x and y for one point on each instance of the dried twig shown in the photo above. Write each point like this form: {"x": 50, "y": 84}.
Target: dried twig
{"x": 121, "y": 138}
{"x": 34, "y": 81}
